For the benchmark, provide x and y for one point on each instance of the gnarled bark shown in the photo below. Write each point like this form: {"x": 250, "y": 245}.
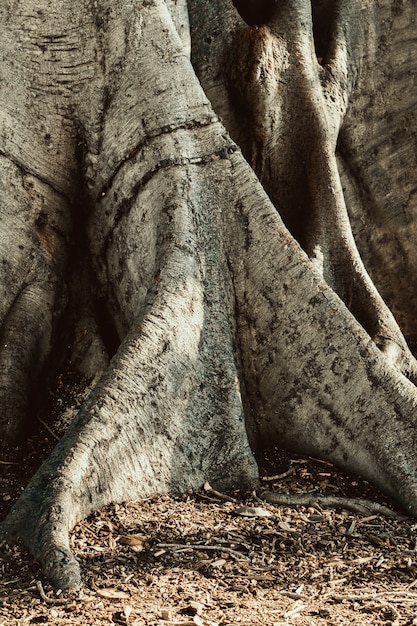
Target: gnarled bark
{"x": 227, "y": 335}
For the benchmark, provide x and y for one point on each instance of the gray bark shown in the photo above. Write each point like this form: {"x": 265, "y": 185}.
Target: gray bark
{"x": 132, "y": 217}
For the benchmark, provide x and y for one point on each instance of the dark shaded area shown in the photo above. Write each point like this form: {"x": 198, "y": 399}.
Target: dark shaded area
{"x": 324, "y": 20}
{"x": 19, "y": 462}
{"x": 318, "y": 476}
{"x": 256, "y": 12}
{"x": 259, "y": 12}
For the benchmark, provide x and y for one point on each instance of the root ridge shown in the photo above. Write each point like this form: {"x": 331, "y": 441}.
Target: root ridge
{"x": 61, "y": 568}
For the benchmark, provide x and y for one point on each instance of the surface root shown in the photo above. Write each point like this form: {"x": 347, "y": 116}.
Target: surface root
{"x": 357, "y": 505}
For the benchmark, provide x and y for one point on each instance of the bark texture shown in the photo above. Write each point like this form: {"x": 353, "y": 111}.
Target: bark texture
{"x": 223, "y": 295}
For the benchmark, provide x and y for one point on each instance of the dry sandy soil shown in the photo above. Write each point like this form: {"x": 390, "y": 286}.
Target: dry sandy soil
{"x": 196, "y": 560}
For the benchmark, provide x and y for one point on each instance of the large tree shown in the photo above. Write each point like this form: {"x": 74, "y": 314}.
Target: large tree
{"x": 230, "y": 240}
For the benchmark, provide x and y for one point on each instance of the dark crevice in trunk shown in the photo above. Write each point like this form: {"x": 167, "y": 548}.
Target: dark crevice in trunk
{"x": 107, "y": 327}
{"x": 255, "y": 12}
{"x": 323, "y": 13}
{"x": 80, "y": 321}
{"x": 261, "y": 12}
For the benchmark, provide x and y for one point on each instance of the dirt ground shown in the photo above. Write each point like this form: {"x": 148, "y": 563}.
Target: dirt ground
{"x": 200, "y": 560}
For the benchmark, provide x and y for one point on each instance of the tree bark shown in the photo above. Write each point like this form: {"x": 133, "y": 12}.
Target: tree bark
{"x": 141, "y": 226}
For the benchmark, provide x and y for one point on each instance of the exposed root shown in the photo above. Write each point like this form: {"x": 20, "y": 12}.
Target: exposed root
{"x": 179, "y": 546}
{"x": 208, "y": 290}
{"x": 45, "y": 533}
{"x": 62, "y": 569}
{"x": 357, "y": 505}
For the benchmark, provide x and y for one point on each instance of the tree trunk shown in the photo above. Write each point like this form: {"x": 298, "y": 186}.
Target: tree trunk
{"x": 145, "y": 235}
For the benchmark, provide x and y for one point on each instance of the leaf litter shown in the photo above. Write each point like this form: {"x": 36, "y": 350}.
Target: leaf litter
{"x": 198, "y": 560}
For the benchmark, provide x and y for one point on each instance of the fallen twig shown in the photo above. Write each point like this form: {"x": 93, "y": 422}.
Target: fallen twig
{"x": 293, "y": 595}
{"x": 185, "y": 546}
{"x": 400, "y": 596}
{"x": 270, "y": 479}
{"x": 357, "y": 505}
{"x": 46, "y": 598}
{"x": 50, "y": 431}
{"x": 221, "y": 496}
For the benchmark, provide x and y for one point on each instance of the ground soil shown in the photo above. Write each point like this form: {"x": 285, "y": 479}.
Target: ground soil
{"x": 195, "y": 560}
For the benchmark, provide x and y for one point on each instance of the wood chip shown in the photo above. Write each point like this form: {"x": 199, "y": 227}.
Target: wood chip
{"x": 112, "y": 593}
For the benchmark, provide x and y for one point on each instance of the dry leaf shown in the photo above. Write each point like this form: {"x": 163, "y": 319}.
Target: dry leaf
{"x": 133, "y": 540}
{"x": 199, "y": 621}
{"x": 136, "y": 542}
{"x": 104, "y": 524}
{"x": 252, "y": 511}
{"x": 113, "y": 594}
